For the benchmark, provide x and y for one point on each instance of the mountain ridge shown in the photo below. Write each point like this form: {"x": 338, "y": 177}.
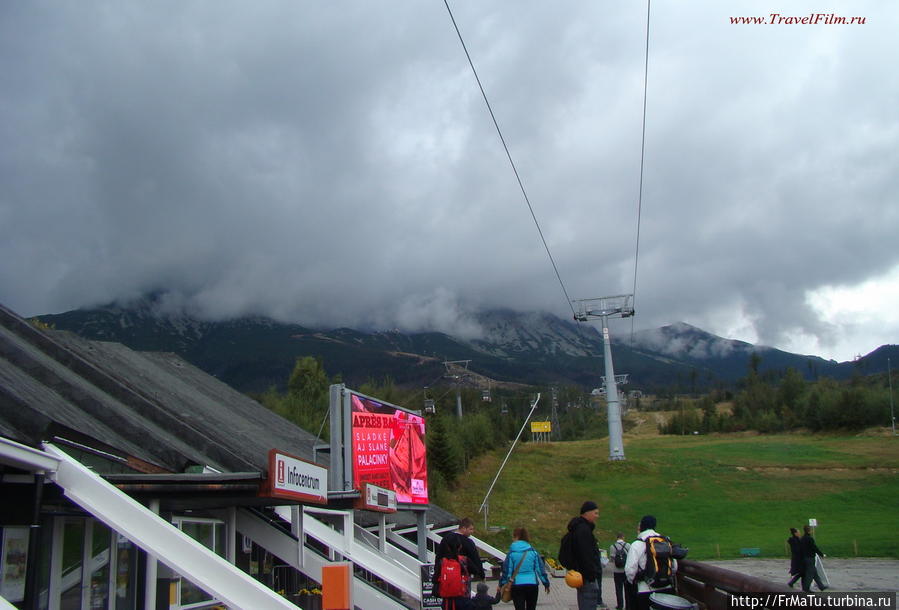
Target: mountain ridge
{"x": 253, "y": 353}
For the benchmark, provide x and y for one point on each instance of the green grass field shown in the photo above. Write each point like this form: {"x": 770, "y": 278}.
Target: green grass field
{"x": 714, "y": 494}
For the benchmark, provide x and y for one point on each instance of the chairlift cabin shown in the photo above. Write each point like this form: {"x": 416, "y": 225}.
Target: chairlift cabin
{"x": 429, "y": 406}
{"x": 485, "y": 395}
{"x": 504, "y": 409}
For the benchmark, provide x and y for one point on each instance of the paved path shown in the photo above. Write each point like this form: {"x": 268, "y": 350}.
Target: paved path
{"x": 845, "y": 575}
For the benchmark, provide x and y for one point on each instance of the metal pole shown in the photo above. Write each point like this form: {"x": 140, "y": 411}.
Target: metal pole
{"x": 32, "y": 586}
{"x": 151, "y": 569}
{"x": 892, "y": 413}
{"x": 459, "y": 402}
{"x": 616, "y": 440}
{"x": 501, "y": 466}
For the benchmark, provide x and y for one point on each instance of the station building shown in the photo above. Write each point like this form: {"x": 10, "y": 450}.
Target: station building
{"x": 135, "y": 481}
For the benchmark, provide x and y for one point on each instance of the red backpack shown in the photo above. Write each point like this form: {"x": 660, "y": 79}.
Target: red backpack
{"x": 453, "y": 579}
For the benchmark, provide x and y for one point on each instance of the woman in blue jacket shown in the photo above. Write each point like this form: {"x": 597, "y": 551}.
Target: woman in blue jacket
{"x": 531, "y": 573}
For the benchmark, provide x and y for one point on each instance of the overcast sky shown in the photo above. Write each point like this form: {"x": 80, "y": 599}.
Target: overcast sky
{"x": 334, "y": 163}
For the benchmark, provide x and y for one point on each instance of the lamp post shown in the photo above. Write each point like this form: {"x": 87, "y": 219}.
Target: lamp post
{"x": 603, "y": 308}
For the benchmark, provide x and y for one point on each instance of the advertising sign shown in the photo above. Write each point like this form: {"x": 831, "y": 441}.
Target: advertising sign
{"x": 388, "y": 449}
{"x": 429, "y": 600}
{"x": 13, "y": 563}
{"x": 293, "y": 478}
{"x": 541, "y": 426}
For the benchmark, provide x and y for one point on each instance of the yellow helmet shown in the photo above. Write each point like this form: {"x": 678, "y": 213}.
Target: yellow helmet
{"x": 574, "y": 579}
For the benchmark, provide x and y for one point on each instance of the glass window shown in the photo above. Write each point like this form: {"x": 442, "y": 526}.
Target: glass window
{"x": 211, "y": 534}
{"x": 124, "y": 567}
{"x": 72, "y": 558}
{"x": 99, "y": 567}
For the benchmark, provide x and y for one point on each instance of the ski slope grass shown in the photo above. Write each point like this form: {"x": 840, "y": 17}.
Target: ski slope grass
{"x": 715, "y": 494}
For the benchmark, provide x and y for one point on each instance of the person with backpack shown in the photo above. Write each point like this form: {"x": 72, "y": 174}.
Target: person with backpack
{"x": 525, "y": 569}
{"x": 580, "y": 552}
{"x": 618, "y": 553}
{"x": 456, "y": 563}
{"x": 649, "y": 568}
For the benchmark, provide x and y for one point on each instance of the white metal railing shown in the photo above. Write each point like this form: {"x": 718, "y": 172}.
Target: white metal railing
{"x": 395, "y": 553}
{"x": 310, "y": 562}
{"x": 155, "y": 535}
{"x": 435, "y": 535}
{"x": 407, "y": 545}
{"x": 5, "y": 605}
{"x": 408, "y": 581}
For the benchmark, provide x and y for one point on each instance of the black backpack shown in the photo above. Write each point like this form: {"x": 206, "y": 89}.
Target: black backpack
{"x": 620, "y": 557}
{"x": 566, "y": 551}
{"x": 657, "y": 573}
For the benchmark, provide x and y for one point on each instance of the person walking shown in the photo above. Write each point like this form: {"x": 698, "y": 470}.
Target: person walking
{"x": 795, "y": 542}
{"x": 618, "y": 557}
{"x": 635, "y": 566}
{"x": 524, "y": 568}
{"x": 585, "y": 555}
{"x": 483, "y": 600}
{"x": 456, "y": 544}
{"x": 809, "y": 550}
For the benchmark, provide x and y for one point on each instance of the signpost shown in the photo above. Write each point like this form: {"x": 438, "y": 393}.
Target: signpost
{"x": 541, "y": 431}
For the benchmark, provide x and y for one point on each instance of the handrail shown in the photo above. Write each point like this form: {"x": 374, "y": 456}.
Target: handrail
{"x": 479, "y": 544}
{"x": 285, "y": 546}
{"x": 344, "y": 543}
{"x": 395, "y": 553}
{"x": 712, "y": 586}
{"x": 147, "y": 530}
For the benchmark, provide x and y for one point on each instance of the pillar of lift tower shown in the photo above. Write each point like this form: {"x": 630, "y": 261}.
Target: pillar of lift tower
{"x": 616, "y": 442}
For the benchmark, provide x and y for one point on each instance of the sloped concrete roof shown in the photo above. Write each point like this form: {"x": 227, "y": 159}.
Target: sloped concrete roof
{"x": 153, "y": 406}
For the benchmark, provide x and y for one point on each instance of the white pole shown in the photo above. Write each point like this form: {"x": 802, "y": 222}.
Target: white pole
{"x": 616, "y": 440}
{"x": 501, "y": 466}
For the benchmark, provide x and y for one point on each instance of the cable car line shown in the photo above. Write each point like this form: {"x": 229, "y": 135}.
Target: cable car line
{"x": 642, "y": 163}
{"x": 521, "y": 184}
{"x": 509, "y": 156}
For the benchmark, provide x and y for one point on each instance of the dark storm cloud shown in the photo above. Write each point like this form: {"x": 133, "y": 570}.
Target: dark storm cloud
{"x": 336, "y": 165}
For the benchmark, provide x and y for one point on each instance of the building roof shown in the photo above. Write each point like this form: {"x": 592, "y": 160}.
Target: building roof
{"x": 155, "y": 407}
{"x": 143, "y": 412}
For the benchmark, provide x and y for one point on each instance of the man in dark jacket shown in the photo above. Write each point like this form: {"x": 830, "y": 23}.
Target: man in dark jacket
{"x": 586, "y": 555}
{"x": 810, "y": 571}
{"x": 459, "y": 543}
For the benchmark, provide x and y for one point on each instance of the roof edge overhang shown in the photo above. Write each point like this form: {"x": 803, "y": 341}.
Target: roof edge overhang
{"x": 23, "y": 457}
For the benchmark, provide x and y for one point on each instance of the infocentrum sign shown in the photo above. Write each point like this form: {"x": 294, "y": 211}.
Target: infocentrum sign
{"x": 293, "y": 478}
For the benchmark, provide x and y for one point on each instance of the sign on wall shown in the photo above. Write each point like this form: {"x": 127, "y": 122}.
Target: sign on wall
{"x": 429, "y": 599}
{"x": 293, "y": 478}
{"x": 13, "y": 562}
{"x": 377, "y": 499}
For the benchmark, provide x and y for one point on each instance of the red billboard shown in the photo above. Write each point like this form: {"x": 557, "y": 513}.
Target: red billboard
{"x": 389, "y": 449}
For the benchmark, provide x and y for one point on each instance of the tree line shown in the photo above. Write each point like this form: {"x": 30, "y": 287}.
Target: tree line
{"x": 452, "y": 443}
{"x": 784, "y": 401}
